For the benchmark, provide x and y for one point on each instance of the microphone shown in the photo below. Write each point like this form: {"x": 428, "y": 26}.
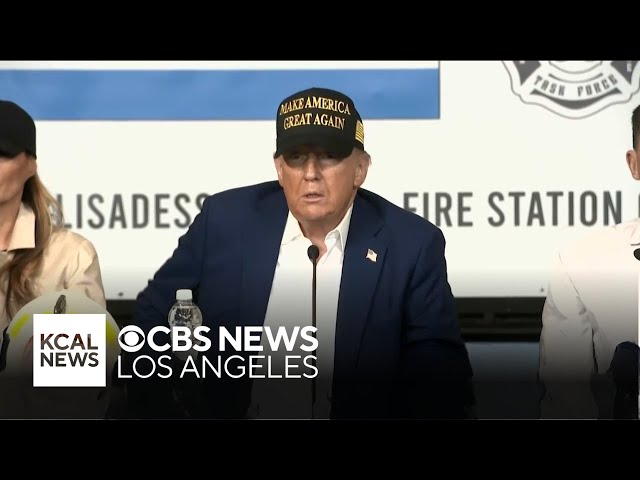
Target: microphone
{"x": 313, "y": 252}
{"x": 636, "y": 253}
{"x": 624, "y": 370}
{"x": 3, "y": 349}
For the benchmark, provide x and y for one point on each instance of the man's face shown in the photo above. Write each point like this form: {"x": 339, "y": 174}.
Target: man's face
{"x": 319, "y": 186}
{"x": 14, "y": 172}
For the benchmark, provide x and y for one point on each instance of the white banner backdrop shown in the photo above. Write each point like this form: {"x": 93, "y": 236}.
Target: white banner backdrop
{"x": 509, "y": 167}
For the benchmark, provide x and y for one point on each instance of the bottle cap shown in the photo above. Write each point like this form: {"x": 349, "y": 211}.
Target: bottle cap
{"x": 184, "y": 294}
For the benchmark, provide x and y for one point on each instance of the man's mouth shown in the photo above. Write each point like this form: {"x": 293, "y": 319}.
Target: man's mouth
{"x": 312, "y": 197}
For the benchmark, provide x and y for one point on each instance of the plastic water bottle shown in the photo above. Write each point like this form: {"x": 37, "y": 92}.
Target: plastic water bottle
{"x": 185, "y": 313}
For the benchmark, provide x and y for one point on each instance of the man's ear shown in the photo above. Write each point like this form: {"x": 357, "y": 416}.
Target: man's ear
{"x": 632, "y": 162}
{"x": 277, "y": 161}
{"x": 364, "y": 160}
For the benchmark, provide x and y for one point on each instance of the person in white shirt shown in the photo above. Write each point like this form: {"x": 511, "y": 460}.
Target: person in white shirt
{"x": 590, "y": 310}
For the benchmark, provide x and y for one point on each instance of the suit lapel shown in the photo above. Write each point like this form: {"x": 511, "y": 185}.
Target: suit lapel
{"x": 262, "y": 248}
{"x": 360, "y": 274}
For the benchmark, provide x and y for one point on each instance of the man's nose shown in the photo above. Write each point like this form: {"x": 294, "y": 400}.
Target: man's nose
{"x": 312, "y": 167}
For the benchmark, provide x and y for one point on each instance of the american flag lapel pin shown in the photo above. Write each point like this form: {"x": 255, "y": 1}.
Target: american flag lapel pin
{"x": 371, "y": 255}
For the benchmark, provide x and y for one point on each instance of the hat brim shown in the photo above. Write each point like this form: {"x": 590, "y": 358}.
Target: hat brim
{"x": 335, "y": 144}
{"x": 9, "y": 149}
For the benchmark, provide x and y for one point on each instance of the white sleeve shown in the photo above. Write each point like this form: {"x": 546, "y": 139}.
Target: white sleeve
{"x": 566, "y": 362}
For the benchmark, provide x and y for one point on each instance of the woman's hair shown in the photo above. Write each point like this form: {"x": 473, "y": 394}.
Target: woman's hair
{"x": 23, "y": 267}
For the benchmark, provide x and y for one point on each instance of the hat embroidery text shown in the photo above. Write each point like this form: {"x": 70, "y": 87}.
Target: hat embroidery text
{"x": 315, "y": 102}
{"x": 309, "y": 118}
{"x": 326, "y": 120}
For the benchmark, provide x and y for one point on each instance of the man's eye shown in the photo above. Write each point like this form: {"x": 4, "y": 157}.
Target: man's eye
{"x": 329, "y": 157}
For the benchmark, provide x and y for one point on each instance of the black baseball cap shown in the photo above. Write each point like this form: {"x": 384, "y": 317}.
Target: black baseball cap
{"x": 322, "y": 117}
{"x": 17, "y": 130}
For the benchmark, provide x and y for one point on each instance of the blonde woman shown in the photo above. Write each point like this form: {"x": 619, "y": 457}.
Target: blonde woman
{"x": 37, "y": 255}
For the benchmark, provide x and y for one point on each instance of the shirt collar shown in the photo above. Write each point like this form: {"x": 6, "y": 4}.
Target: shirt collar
{"x": 292, "y": 229}
{"x": 24, "y": 230}
{"x": 634, "y": 233}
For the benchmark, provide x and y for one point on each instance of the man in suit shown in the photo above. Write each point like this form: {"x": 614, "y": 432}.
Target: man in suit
{"x": 591, "y": 311}
{"x": 389, "y": 343}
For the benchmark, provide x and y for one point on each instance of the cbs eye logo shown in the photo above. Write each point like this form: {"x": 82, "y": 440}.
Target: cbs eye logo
{"x": 132, "y": 338}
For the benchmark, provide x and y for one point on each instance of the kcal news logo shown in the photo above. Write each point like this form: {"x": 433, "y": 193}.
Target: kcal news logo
{"x": 69, "y": 350}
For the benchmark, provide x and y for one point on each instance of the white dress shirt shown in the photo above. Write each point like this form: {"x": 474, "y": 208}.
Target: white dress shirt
{"x": 591, "y": 307}
{"x": 290, "y": 304}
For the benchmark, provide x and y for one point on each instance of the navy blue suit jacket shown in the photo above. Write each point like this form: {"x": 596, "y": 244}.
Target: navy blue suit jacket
{"x": 398, "y": 347}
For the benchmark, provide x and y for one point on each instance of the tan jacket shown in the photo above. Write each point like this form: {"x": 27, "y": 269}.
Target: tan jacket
{"x": 70, "y": 262}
